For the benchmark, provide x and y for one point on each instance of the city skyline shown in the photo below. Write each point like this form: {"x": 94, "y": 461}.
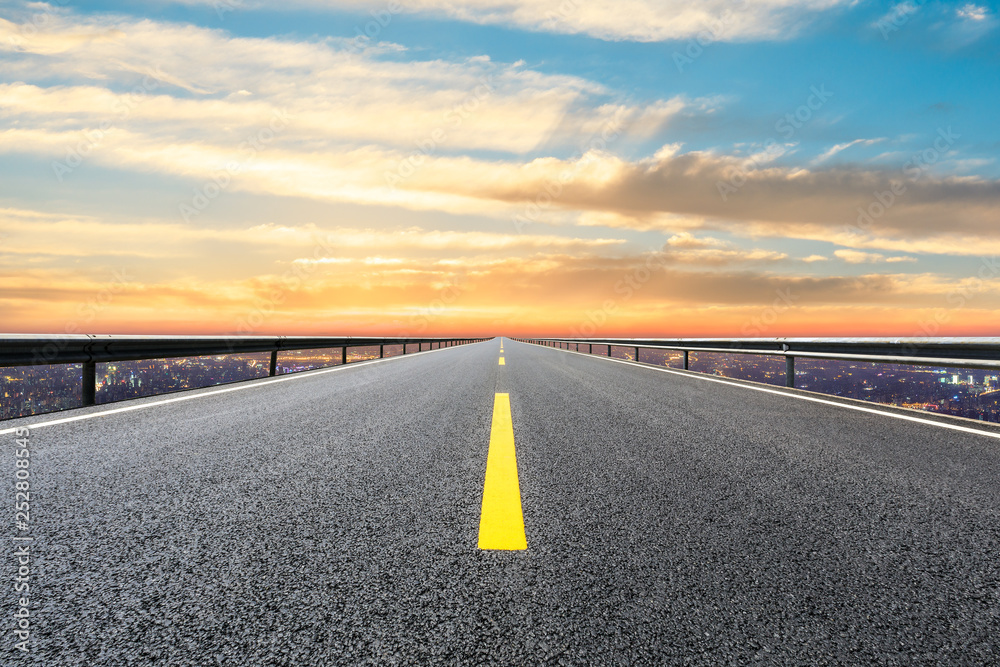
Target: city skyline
{"x": 970, "y": 393}
{"x": 646, "y": 168}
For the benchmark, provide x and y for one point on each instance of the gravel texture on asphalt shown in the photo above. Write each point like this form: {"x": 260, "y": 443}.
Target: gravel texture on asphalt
{"x": 332, "y": 519}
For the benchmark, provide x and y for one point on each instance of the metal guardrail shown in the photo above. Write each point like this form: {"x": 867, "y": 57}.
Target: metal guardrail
{"x": 89, "y": 349}
{"x": 961, "y": 352}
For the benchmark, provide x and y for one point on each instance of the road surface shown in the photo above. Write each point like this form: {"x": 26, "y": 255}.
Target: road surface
{"x": 332, "y": 517}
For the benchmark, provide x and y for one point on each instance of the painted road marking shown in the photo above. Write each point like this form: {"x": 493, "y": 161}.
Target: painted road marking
{"x": 799, "y": 397}
{"x": 502, "y": 362}
{"x": 501, "y": 524}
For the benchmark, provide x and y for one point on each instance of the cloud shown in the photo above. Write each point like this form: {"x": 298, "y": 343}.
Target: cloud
{"x": 379, "y": 280}
{"x": 42, "y": 234}
{"x": 673, "y": 191}
{"x": 144, "y": 77}
{"x": 948, "y": 28}
{"x": 385, "y": 293}
{"x": 973, "y": 12}
{"x": 858, "y": 257}
{"x": 837, "y": 148}
{"x": 623, "y": 20}
{"x": 54, "y": 43}
{"x": 688, "y": 249}
{"x": 141, "y": 102}
{"x": 415, "y": 139}
{"x": 973, "y": 22}
{"x": 815, "y": 258}
{"x": 689, "y": 241}
{"x": 823, "y": 204}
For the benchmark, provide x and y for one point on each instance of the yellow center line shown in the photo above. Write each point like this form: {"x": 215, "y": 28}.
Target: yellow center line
{"x": 502, "y": 362}
{"x": 501, "y": 525}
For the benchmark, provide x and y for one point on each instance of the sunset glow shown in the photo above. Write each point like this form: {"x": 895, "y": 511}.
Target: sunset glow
{"x": 640, "y": 168}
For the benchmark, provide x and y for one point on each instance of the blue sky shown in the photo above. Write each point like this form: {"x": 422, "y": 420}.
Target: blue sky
{"x": 461, "y": 144}
{"x": 898, "y": 84}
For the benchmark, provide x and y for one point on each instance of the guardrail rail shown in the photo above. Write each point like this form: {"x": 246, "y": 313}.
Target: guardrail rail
{"x": 981, "y": 353}
{"x": 91, "y": 349}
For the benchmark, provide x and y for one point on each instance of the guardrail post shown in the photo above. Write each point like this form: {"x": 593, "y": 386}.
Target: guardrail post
{"x": 590, "y": 348}
{"x": 89, "y": 383}
{"x": 685, "y": 360}
{"x": 273, "y": 370}
{"x": 790, "y": 371}
{"x": 381, "y": 351}
{"x": 343, "y": 355}
{"x": 637, "y": 355}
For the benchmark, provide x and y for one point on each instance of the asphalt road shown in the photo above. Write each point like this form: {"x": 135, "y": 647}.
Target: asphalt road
{"x": 332, "y": 519}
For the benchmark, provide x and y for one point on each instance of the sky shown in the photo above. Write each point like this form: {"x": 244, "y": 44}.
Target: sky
{"x": 732, "y": 168}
